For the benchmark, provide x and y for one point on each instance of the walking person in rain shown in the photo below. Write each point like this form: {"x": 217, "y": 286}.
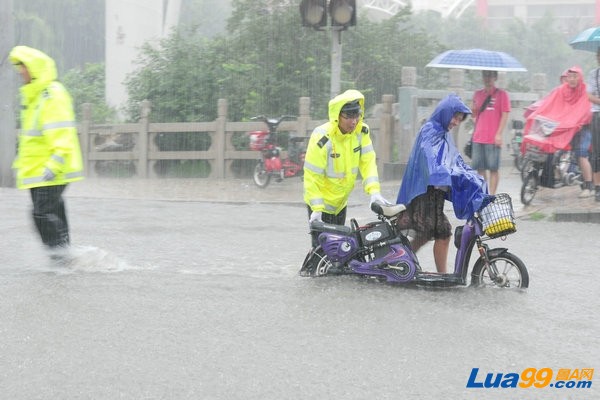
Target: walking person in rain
{"x": 491, "y": 106}
{"x": 49, "y": 155}
{"x": 593, "y": 89}
{"x": 337, "y": 151}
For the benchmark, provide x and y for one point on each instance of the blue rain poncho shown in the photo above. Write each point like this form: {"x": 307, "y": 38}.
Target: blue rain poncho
{"x": 435, "y": 161}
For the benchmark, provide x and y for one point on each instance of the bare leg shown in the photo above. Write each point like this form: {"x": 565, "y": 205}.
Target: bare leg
{"x": 440, "y": 254}
{"x": 493, "y": 183}
{"x": 417, "y": 243}
{"x": 586, "y": 168}
{"x": 483, "y": 173}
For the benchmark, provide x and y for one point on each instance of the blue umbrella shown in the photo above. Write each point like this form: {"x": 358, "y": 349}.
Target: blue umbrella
{"x": 483, "y": 60}
{"x": 588, "y": 40}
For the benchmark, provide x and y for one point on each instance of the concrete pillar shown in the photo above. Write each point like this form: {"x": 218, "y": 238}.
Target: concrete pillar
{"x": 219, "y": 141}
{"x": 142, "y": 145}
{"x": 386, "y": 139}
{"x": 456, "y": 85}
{"x": 406, "y": 114}
{"x": 303, "y": 117}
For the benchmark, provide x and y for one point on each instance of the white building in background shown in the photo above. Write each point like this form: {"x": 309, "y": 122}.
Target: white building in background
{"x": 130, "y": 24}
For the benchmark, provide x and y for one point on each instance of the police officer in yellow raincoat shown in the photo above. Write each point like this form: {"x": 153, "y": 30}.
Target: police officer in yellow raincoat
{"x": 49, "y": 155}
{"x": 337, "y": 151}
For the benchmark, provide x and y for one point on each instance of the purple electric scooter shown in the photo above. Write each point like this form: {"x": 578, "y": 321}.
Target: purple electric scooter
{"x": 381, "y": 250}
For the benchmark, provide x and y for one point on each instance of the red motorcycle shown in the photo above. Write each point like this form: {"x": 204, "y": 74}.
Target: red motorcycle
{"x": 271, "y": 164}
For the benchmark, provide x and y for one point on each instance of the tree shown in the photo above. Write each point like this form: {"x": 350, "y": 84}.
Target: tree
{"x": 180, "y": 77}
{"x": 87, "y": 86}
{"x": 71, "y": 31}
{"x": 266, "y": 60}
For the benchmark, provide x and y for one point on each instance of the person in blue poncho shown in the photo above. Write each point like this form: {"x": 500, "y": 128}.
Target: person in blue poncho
{"x": 437, "y": 172}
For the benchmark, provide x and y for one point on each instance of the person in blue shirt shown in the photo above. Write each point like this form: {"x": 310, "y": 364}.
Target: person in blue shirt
{"x": 437, "y": 172}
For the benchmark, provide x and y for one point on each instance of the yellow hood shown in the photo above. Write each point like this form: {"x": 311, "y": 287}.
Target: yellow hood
{"x": 41, "y": 67}
{"x": 336, "y": 104}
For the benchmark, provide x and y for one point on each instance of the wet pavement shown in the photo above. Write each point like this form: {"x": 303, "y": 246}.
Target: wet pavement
{"x": 189, "y": 289}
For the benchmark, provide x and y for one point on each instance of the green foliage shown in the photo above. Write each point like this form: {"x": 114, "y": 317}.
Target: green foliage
{"x": 71, "y": 31}
{"x": 179, "y": 78}
{"x": 87, "y": 86}
{"x": 373, "y": 65}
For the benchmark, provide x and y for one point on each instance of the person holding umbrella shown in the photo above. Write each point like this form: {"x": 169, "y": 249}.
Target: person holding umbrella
{"x": 491, "y": 107}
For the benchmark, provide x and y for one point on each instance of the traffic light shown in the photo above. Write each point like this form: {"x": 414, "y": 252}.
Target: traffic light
{"x": 343, "y": 13}
{"x": 314, "y": 13}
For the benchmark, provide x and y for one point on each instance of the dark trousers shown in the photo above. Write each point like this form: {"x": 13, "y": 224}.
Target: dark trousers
{"x": 339, "y": 219}
{"x": 49, "y": 215}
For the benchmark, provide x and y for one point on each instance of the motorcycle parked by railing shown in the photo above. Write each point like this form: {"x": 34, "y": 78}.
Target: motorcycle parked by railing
{"x": 381, "y": 251}
{"x": 271, "y": 164}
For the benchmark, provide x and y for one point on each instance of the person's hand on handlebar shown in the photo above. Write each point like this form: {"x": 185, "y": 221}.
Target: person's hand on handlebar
{"x": 315, "y": 216}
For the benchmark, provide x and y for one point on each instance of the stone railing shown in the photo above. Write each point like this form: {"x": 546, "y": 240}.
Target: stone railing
{"x": 393, "y": 125}
{"x": 98, "y": 141}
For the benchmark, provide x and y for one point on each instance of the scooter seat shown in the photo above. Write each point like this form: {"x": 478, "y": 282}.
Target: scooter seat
{"x": 388, "y": 211}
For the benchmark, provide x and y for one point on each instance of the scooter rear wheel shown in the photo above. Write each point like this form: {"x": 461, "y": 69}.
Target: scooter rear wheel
{"x": 261, "y": 176}
{"x": 512, "y": 273}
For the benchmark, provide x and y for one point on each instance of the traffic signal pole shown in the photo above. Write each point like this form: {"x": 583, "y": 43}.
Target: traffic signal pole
{"x": 336, "y": 61}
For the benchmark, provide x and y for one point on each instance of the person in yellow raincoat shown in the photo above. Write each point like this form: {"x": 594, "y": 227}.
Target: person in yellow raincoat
{"x": 337, "y": 151}
{"x": 49, "y": 154}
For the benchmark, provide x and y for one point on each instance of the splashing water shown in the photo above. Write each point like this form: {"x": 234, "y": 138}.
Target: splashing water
{"x": 88, "y": 259}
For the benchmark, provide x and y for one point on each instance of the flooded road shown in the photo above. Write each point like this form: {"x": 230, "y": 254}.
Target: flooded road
{"x": 180, "y": 299}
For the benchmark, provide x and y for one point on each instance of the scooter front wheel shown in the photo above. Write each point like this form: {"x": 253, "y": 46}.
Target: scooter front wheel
{"x": 316, "y": 263}
{"x": 261, "y": 176}
{"x": 529, "y": 188}
{"x": 519, "y": 161}
{"x": 527, "y": 166}
{"x": 512, "y": 273}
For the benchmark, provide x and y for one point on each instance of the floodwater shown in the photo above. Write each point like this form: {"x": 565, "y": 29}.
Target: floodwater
{"x": 183, "y": 299}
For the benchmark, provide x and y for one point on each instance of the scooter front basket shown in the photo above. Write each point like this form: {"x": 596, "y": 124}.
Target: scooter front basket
{"x": 497, "y": 217}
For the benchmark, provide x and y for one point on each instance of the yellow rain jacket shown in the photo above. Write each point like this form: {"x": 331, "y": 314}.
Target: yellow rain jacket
{"x": 48, "y": 134}
{"x": 333, "y": 160}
